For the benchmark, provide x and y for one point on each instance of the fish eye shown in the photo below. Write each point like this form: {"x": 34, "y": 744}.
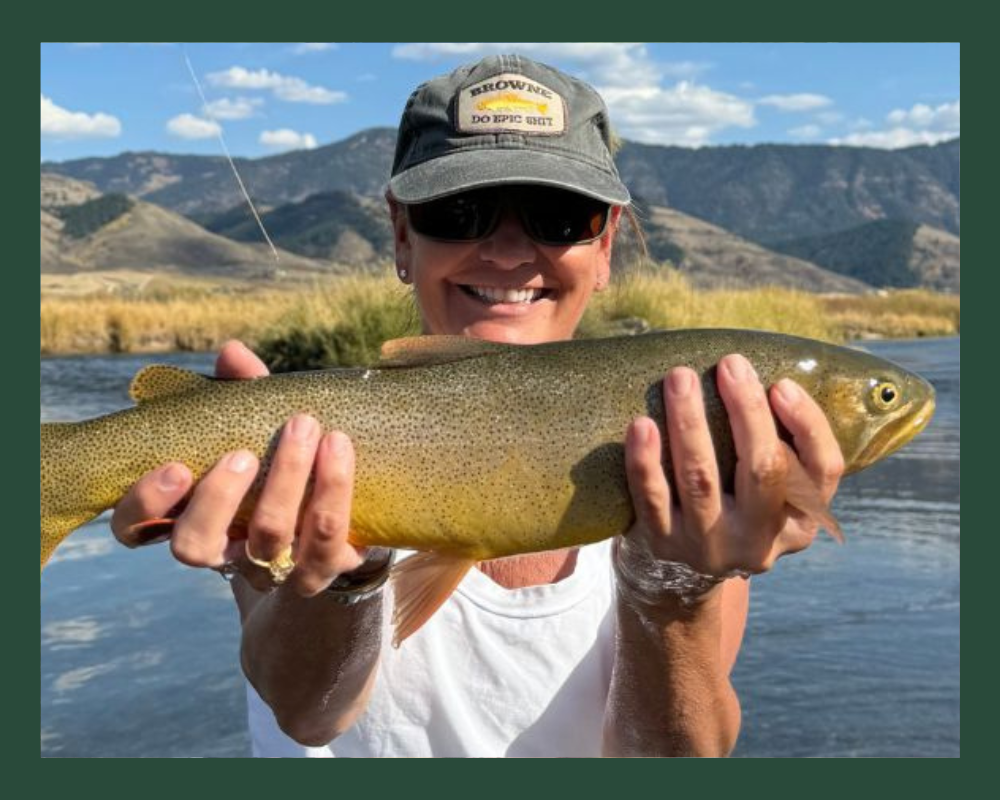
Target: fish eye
{"x": 885, "y": 395}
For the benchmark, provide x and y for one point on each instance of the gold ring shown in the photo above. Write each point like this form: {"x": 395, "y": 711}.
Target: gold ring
{"x": 280, "y": 566}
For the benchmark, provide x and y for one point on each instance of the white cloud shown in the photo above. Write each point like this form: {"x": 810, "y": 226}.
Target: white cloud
{"x": 805, "y": 132}
{"x": 59, "y": 123}
{"x": 287, "y": 139}
{"x": 303, "y": 48}
{"x": 796, "y": 102}
{"x": 644, "y": 106}
{"x": 619, "y": 64}
{"x": 920, "y": 124}
{"x": 284, "y": 87}
{"x": 238, "y": 108}
{"x": 893, "y": 139}
{"x": 945, "y": 118}
{"x": 685, "y": 114}
{"x": 188, "y": 126}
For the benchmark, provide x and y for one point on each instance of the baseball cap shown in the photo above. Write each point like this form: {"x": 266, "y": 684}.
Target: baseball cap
{"x": 504, "y": 120}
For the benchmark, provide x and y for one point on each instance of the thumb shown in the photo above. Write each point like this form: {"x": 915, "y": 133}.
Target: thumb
{"x": 237, "y": 361}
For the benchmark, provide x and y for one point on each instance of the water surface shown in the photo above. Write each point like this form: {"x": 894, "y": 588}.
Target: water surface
{"x": 849, "y": 650}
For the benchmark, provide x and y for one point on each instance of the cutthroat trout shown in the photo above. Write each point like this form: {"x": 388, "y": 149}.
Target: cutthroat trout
{"x": 472, "y": 450}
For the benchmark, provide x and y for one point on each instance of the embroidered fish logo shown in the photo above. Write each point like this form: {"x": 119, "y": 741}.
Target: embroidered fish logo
{"x": 509, "y": 102}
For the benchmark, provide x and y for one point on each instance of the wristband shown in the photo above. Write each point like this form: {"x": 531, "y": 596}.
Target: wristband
{"x": 651, "y": 580}
{"x": 365, "y": 581}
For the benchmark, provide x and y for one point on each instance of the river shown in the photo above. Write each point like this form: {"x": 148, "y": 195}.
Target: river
{"x": 849, "y": 651}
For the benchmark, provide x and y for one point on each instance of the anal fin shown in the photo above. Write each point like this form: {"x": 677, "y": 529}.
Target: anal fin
{"x": 421, "y": 583}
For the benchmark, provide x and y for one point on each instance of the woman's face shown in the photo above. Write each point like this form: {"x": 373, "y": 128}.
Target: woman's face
{"x": 505, "y": 287}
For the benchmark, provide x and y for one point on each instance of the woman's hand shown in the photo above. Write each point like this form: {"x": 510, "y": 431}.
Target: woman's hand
{"x": 694, "y": 522}
{"x": 288, "y": 512}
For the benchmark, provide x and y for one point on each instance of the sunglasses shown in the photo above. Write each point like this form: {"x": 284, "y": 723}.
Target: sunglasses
{"x": 550, "y": 216}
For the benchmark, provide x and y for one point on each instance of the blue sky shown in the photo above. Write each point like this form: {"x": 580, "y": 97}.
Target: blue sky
{"x": 100, "y": 99}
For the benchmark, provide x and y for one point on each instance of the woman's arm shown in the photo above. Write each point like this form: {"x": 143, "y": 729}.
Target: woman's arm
{"x": 311, "y": 658}
{"x": 670, "y": 691}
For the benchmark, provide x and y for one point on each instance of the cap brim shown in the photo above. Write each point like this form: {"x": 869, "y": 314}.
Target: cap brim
{"x": 472, "y": 169}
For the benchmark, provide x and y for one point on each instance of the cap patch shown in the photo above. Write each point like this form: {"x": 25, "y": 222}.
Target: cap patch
{"x": 510, "y": 103}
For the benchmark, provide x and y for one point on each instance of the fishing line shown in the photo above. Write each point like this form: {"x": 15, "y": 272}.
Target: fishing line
{"x": 218, "y": 132}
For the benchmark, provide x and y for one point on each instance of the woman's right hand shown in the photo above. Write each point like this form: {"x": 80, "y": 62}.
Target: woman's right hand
{"x": 287, "y": 513}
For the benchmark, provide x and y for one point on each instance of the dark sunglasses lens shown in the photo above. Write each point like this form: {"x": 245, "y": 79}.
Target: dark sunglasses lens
{"x": 564, "y": 218}
{"x": 461, "y": 217}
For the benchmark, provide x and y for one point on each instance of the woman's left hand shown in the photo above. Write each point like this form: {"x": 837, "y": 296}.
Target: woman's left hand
{"x": 695, "y": 522}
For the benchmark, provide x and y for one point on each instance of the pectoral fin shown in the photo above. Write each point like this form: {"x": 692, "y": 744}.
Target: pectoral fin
{"x": 804, "y": 495}
{"x": 421, "y": 583}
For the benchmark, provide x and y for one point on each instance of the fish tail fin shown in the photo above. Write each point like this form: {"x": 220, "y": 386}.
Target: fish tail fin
{"x": 64, "y": 506}
{"x": 804, "y": 495}
{"x": 421, "y": 584}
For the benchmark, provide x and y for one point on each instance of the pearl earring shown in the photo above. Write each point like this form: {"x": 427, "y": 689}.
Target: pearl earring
{"x": 403, "y": 274}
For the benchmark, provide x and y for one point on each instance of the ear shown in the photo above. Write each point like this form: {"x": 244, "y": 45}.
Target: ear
{"x": 401, "y": 239}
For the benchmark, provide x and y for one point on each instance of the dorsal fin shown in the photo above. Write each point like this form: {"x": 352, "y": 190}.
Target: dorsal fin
{"x": 161, "y": 380}
{"x": 415, "y": 351}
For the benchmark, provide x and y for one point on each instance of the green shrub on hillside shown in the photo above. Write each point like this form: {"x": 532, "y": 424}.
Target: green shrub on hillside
{"x": 84, "y": 219}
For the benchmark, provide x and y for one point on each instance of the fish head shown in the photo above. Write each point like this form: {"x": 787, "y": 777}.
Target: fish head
{"x": 874, "y": 406}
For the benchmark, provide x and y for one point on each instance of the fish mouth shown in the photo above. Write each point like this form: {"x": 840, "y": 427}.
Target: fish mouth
{"x": 893, "y": 437}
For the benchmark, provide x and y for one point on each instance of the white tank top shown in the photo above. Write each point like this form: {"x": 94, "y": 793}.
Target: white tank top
{"x": 495, "y": 672}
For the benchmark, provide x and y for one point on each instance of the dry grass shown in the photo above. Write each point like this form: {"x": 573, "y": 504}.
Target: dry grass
{"x": 118, "y": 325}
{"x": 344, "y": 320}
{"x": 898, "y": 314}
{"x": 667, "y": 300}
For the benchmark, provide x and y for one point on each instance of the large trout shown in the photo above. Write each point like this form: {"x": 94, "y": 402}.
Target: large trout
{"x": 472, "y": 450}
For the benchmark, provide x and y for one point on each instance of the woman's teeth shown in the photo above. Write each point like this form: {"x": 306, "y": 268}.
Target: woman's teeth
{"x": 493, "y": 295}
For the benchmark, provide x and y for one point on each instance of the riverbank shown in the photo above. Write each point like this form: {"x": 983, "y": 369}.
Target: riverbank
{"x": 344, "y": 320}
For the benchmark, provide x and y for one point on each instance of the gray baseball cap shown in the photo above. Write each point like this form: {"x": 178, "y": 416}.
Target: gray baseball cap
{"x": 504, "y": 120}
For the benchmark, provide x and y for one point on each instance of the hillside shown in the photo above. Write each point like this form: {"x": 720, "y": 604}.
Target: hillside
{"x": 769, "y": 193}
{"x": 764, "y": 193}
{"x": 144, "y": 237}
{"x": 886, "y": 253}
{"x": 199, "y": 186}
{"x": 326, "y": 203}
{"x": 711, "y": 257}
{"x": 335, "y": 226}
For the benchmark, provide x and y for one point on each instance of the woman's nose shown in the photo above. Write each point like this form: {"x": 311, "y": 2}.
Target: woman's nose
{"x": 509, "y": 244}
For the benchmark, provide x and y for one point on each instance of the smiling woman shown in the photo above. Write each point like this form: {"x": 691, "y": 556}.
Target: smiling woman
{"x": 504, "y": 228}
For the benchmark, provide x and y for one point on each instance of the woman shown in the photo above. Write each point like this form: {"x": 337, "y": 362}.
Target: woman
{"x": 505, "y": 204}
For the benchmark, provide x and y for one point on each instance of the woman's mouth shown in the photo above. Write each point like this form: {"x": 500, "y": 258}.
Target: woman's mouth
{"x": 493, "y": 295}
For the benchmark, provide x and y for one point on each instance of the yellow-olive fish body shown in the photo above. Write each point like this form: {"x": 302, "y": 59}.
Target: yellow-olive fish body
{"x": 468, "y": 449}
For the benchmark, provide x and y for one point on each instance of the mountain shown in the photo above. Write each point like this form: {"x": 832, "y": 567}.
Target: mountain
{"x": 114, "y": 232}
{"x": 326, "y": 203}
{"x": 764, "y": 193}
{"x": 342, "y": 227}
{"x": 205, "y": 185}
{"x": 886, "y": 253}
{"x": 712, "y": 257}
{"x": 769, "y": 193}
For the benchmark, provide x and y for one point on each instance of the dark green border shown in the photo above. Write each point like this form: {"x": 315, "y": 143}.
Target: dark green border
{"x": 785, "y": 21}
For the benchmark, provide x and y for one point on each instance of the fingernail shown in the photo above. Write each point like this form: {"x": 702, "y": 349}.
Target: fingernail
{"x": 338, "y": 445}
{"x": 302, "y": 427}
{"x": 170, "y": 478}
{"x": 239, "y": 461}
{"x": 680, "y": 382}
{"x": 788, "y": 391}
{"x": 740, "y": 369}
